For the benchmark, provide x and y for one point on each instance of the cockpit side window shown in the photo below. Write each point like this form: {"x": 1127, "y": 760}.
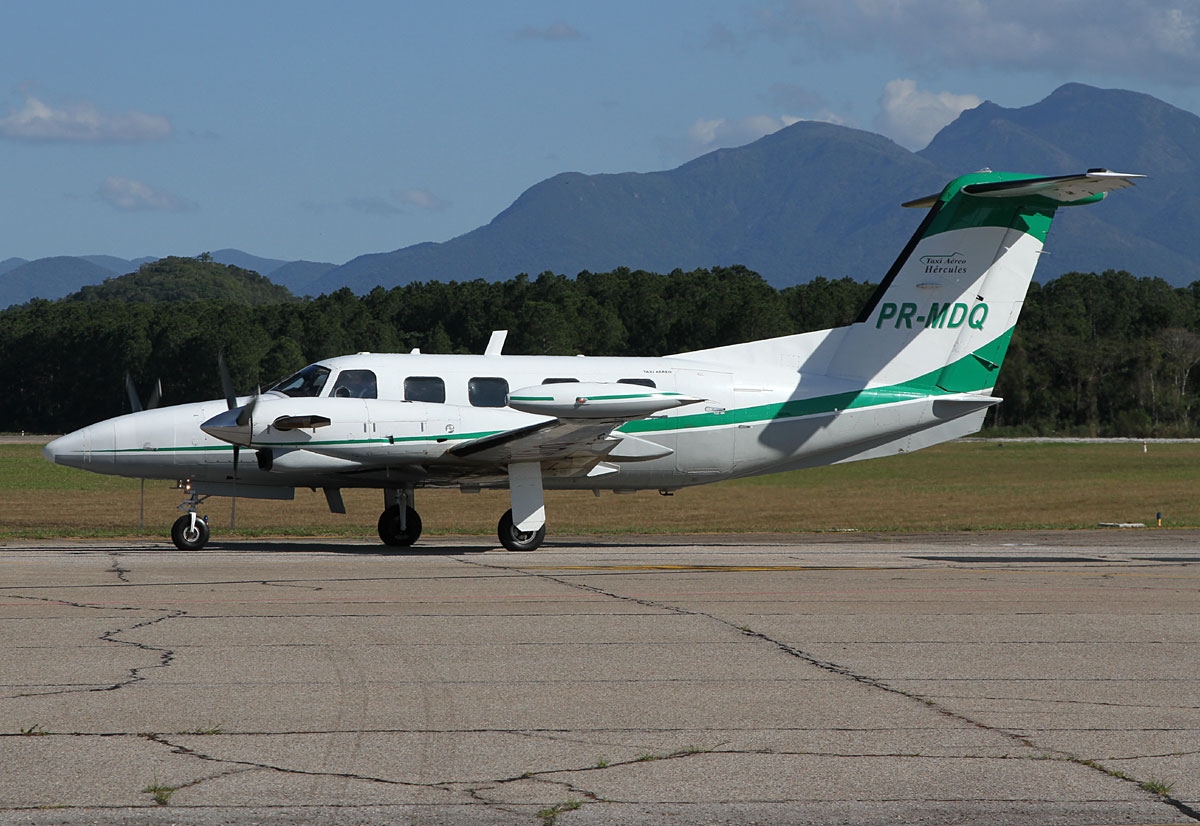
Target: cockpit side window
{"x": 303, "y": 384}
{"x": 356, "y": 384}
{"x": 487, "y": 391}
{"x": 560, "y": 381}
{"x": 642, "y": 382}
{"x": 425, "y": 389}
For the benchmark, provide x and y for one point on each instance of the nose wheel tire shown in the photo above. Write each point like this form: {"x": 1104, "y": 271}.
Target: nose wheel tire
{"x": 188, "y": 536}
{"x": 515, "y": 540}
{"x": 390, "y": 531}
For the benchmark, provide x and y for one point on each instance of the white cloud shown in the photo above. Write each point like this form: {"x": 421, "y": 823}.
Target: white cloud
{"x": 707, "y": 134}
{"x": 1149, "y": 40}
{"x": 557, "y": 30}
{"x": 134, "y": 196}
{"x": 81, "y": 121}
{"x": 422, "y": 198}
{"x": 911, "y": 117}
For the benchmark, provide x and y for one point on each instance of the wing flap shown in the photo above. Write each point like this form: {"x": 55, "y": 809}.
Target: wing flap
{"x": 543, "y": 442}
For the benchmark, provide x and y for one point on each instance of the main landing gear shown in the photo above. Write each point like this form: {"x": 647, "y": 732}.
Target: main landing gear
{"x": 515, "y": 540}
{"x": 399, "y": 528}
{"x": 400, "y": 525}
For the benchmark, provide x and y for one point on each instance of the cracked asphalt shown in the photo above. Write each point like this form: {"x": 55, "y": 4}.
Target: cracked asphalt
{"x": 1001, "y": 678}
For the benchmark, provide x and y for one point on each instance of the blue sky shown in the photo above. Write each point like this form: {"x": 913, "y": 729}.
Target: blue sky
{"x": 306, "y": 130}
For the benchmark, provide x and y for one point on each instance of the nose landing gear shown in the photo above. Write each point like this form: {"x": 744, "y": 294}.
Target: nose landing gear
{"x": 190, "y": 531}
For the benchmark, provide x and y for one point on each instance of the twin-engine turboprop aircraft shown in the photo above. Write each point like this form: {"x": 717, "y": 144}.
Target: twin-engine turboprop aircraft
{"x": 917, "y": 368}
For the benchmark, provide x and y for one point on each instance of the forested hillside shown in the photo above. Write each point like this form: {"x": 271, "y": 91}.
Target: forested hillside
{"x": 1107, "y": 354}
{"x": 181, "y": 279}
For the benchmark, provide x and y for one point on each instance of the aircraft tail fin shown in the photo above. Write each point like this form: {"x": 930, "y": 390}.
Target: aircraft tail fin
{"x": 943, "y": 316}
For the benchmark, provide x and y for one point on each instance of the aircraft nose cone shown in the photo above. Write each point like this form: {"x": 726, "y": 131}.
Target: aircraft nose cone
{"x": 224, "y": 426}
{"x": 67, "y": 450}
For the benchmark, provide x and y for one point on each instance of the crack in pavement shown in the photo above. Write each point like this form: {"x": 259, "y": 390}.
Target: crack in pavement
{"x": 136, "y": 674}
{"x": 121, "y": 572}
{"x": 844, "y": 671}
{"x": 472, "y": 790}
{"x": 478, "y": 790}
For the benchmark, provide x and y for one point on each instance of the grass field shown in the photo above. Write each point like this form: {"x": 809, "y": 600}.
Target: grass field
{"x": 966, "y": 485}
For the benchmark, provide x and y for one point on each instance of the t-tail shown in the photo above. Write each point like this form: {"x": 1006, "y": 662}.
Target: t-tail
{"x": 942, "y": 318}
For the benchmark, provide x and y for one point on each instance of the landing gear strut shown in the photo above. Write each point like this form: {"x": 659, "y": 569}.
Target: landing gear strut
{"x": 399, "y": 524}
{"x": 190, "y": 532}
{"x": 515, "y": 540}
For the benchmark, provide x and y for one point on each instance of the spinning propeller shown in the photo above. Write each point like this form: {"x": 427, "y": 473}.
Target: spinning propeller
{"x": 245, "y": 415}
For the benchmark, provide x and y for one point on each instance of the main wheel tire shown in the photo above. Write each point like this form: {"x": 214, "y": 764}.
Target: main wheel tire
{"x": 515, "y": 540}
{"x": 389, "y": 527}
{"x": 186, "y": 537}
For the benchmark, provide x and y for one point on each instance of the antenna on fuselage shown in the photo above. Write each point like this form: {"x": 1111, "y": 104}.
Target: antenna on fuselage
{"x": 496, "y": 343}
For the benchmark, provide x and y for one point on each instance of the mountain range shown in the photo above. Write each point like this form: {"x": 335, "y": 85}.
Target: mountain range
{"x": 813, "y": 199}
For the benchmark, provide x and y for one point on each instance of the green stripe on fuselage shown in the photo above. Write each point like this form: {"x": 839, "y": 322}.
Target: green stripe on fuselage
{"x": 976, "y": 371}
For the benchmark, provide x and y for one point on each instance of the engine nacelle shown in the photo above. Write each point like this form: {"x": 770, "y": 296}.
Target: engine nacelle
{"x": 596, "y": 400}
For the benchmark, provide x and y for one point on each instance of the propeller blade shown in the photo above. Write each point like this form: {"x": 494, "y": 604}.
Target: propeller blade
{"x": 131, "y": 389}
{"x": 226, "y": 381}
{"x": 244, "y": 419}
{"x": 246, "y": 413}
{"x": 155, "y": 395}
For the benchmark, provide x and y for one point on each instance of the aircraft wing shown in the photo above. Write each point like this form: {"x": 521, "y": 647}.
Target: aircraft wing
{"x": 584, "y": 418}
{"x": 544, "y": 441}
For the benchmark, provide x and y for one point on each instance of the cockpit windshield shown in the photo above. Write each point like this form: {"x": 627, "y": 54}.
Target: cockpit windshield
{"x": 307, "y": 382}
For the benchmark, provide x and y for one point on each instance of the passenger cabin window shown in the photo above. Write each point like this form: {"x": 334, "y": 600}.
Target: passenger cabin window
{"x": 487, "y": 392}
{"x": 560, "y": 381}
{"x": 356, "y": 384}
{"x": 425, "y": 389}
{"x": 642, "y": 382}
{"x": 306, "y": 383}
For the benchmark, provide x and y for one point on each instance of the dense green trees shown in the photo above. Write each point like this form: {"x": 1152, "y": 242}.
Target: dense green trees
{"x": 1103, "y": 355}
{"x": 178, "y": 279}
{"x": 1106, "y": 354}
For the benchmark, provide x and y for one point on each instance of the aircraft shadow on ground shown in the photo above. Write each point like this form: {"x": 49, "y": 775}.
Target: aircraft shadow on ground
{"x": 301, "y": 547}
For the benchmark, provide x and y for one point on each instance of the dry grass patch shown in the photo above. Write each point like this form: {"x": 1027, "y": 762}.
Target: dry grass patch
{"x": 966, "y": 485}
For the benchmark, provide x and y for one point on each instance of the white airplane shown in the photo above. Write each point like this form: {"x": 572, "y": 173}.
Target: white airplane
{"x": 917, "y": 368}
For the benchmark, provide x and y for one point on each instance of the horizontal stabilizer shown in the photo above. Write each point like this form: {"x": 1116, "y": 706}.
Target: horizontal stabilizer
{"x": 961, "y": 404}
{"x": 1061, "y": 189}
{"x": 1065, "y": 189}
